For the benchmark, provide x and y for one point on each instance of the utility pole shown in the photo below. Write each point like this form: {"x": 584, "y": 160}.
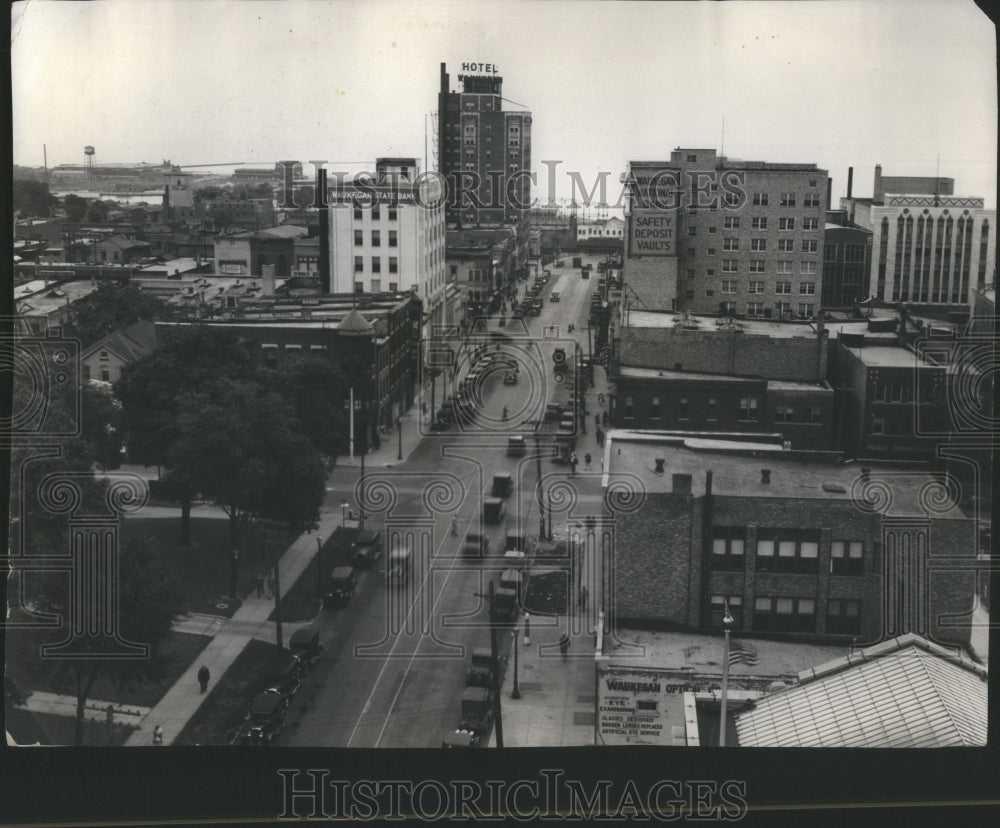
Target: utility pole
{"x": 497, "y": 713}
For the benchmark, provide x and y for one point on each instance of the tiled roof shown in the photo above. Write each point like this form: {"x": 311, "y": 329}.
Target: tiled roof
{"x": 904, "y": 693}
{"x": 131, "y": 343}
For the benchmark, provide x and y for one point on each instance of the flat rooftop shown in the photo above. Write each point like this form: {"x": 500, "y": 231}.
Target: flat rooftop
{"x": 736, "y": 471}
{"x": 886, "y": 356}
{"x": 707, "y": 324}
{"x": 694, "y": 376}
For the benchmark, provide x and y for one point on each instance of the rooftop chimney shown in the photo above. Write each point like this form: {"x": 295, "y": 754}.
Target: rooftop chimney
{"x": 865, "y": 473}
{"x": 765, "y": 476}
{"x": 850, "y": 181}
{"x": 877, "y": 192}
{"x": 267, "y": 279}
{"x": 659, "y": 465}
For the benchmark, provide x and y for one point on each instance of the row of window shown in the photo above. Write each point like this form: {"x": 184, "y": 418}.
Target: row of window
{"x": 376, "y": 286}
{"x": 733, "y": 223}
{"x": 376, "y": 238}
{"x": 760, "y": 246}
{"x": 852, "y": 252}
{"x": 805, "y": 288}
{"x": 786, "y": 199}
{"x": 784, "y": 550}
{"x": 758, "y": 266}
{"x": 376, "y": 264}
{"x": 788, "y": 614}
{"x": 806, "y": 310}
{"x": 376, "y": 213}
{"x": 748, "y": 410}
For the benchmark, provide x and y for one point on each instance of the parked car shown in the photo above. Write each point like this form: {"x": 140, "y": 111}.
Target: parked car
{"x": 515, "y": 446}
{"x": 480, "y": 674}
{"x": 477, "y": 710}
{"x": 265, "y": 718}
{"x": 510, "y": 378}
{"x": 306, "y": 647}
{"x": 367, "y": 548}
{"x": 283, "y": 676}
{"x": 503, "y": 484}
{"x": 476, "y": 545}
{"x": 343, "y": 582}
{"x": 554, "y": 296}
{"x": 493, "y": 510}
{"x": 460, "y": 739}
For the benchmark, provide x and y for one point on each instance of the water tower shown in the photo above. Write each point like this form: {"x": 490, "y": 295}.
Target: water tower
{"x": 88, "y": 153}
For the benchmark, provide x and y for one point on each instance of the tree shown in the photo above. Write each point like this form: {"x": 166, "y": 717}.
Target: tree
{"x": 190, "y": 360}
{"x": 245, "y": 449}
{"x": 32, "y": 198}
{"x": 208, "y": 193}
{"x": 97, "y": 211}
{"x": 76, "y": 207}
{"x": 110, "y": 308}
{"x": 317, "y": 390}
{"x": 101, "y": 424}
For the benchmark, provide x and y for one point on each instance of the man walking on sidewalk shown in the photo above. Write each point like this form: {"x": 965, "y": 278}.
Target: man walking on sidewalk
{"x": 260, "y": 584}
{"x": 583, "y": 598}
{"x": 564, "y": 645}
{"x": 203, "y": 677}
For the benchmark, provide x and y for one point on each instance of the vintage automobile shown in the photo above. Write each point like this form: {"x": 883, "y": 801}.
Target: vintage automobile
{"x": 503, "y": 484}
{"x": 460, "y": 739}
{"x": 265, "y": 717}
{"x": 480, "y": 674}
{"x": 553, "y": 412}
{"x": 493, "y": 510}
{"x": 476, "y": 545}
{"x": 506, "y": 606}
{"x": 367, "y": 548}
{"x": 554, "y": 296}
{"x": 515, "y": 446}
{"x": 477, "y": 710}
{"x": 510, "y": 378}
{"x": 399, "y": 563}
{"x": 283, "y": 676}
{"x": 512, "y": 579}
{"x": 306, "y": 647}
{"x": 340, "y": 590}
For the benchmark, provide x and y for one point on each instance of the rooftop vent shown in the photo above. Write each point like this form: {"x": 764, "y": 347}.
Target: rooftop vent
{"x": 834, "y": 487}
{"x": 682, "y": 483}
{"x": 765, "y": 476}
{"x": 659, "y": 465}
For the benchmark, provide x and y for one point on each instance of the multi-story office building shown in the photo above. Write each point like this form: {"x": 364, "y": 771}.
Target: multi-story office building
{"x": 928, "y": 245}
{"x": 847, "y": 256}
{"x": 797, "y": 544}
{"x": 484, "y": 152}
{"x": 713, "y": 234}
{"x": 388, "y": 235}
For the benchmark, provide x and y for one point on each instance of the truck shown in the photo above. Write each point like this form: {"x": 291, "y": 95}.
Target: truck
{"x": 477, "y": 710}
{"x": 493, "y": 510}
{"x": 480, "y": 674}
{"x": 399, "y": 564}
{"x": 476, "y": 545}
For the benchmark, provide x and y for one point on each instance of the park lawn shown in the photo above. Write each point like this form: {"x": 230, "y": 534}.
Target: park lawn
{"x": 303, "y": 600}
{"x": 220, "y": 718}
{"x": 546, "y": 593}
{"x": 204, "y": 565}
{"x": 61, "y": 730}
{"x": 175, "y": 655}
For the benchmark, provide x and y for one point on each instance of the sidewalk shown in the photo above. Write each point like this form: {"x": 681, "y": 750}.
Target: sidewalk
{"x": 387, "y": 454}
{"x": 182, "y": 700}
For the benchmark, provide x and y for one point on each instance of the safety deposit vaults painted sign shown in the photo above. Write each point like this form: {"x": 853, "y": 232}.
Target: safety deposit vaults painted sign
{"x": 653, "y": 233}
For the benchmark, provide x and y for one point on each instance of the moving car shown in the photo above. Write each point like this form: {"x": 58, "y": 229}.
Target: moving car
{"x": 510, "y": 378}
{"x": 367, "y": 549}
{"x": 476, "y": 545}
{"x": 493, "y": 510}
{"x": 399, "y": 563}
{"x": 554, "y": 296}
{"x": 515, "y": 446}
{"x": 503, "y": 484}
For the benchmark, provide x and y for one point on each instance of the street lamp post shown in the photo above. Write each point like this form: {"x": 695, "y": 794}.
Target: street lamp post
{"x": 516, "y": 692}
{"x": 319, "y": 564}
{"x": 490, "y": 596}
{"x": 399, "y": 430}
{"x": 727, "y": 623}
{"x": 343, "y": 513}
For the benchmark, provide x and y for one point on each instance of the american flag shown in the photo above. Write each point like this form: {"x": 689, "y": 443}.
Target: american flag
{"x": 742, "y": 652}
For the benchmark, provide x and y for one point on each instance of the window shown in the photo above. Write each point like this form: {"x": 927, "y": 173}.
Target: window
{"x": 692, "y": 230}
{"x": 269, "y": 353}
{"x": 810, "y": 245}
{"x": 393, "y": 214}
{"x": 758, "y": 223}
{"x": 359, "y": 287}
{"x": 755, "y": 308}
{"x": 711, "y": 408}
{"x": 807, "y": 288}
{"x": 359, "y": 264}
{"x": 717, "y": 610}
{"x": 710, "y": 271}
{"x": 654, "y": 408}
{"x": 782, "y": 287}
{"x": 711, "y": 229}
{"x": 760, "y": 199}
{"x": 104, "y": 355}
{"x": 731, "y": 222}
{"x": 393, "y": 239}
{"x": 783, "y": 308}
{"x": 730, "y": 265}
{"x": 692, "y": 158}
{"x": 710, "y": 293}
{"x": 756, "y": 265}
{"x": 784, "y": 414}
{"x": 843, "y": 616}
{"x": 897, "y": 393}
{"x": 711, "y": 251}
{"x": 786, "y": 223}
{"x": 376, "y": 264}
{"x": 359, "y": 238}
{"x": 629, "y": 407}
{"x": 690, "y": 273}
{"x": 376, "y": 214}
{"x": 783, "y": 268}
{"x": 393, "y": 264}
{"x": 105, "y": 373}
{"x": 729, "y": 286}
{"x": 682, "y": 408}
{"x": 689, "y": 294}
{"x": 758, "y": 244}
{"x": 756, "y": 287}
{"x": 847, "y": 558}
{"x": 357, "y": 214}
{"x": 811, "y": 200}
{"x": 376, "y": 238}
{"x": 807, "y": 268}
{"x": 806, "y": 310}
{"x": 811, "y": 413}
{"x": 748, "y": 405}
{"x": 809, "y": 224}
{"x": 784, "y": 614}
{"x": 393, "y": 286}
{"x": 786, "y": 245}
{"x": 727, "y": 307}
{"x": 854, "y": 252}
{"x": 878, "y": 425}
{"x": 787, "y": 550}
{"x": 829, "y": 252}
{"x": 728, "y": 546}
{"x": 787, "y": 200}
{"x": 376, "y": 285}
{"x": 731, "y": 243}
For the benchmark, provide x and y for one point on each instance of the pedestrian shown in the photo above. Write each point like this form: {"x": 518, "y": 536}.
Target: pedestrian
{"x": 572, "y": 463}
{"x": 599, "y": 434}
{"x": 157, "y": 735}
{"x": 564, "y": 645}
{"x": 586, "y": 459}
{"x": 454, "y": 525}
{"x": 583, "y": 598}
{"x": 597, "y": 420}
{"x": 203, "y": 677}
{"x": 270, "y": 584}
{"x": 260, "y": 584}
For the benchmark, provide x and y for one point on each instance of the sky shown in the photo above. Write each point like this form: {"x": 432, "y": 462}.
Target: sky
{"x": 910, "y": 85}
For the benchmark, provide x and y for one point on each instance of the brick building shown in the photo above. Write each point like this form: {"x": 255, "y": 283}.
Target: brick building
{"x": 484, "y": 152}
{"x": 707, "y": 234}
{"x": 217, "y": 215}
{"x": 798, "y": 544}
{"x": 847, "y": 255}
{"x": 246, "y": 254}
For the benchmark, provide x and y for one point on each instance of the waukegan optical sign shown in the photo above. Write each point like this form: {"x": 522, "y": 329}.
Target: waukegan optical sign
{"x": 653, "y": 233}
